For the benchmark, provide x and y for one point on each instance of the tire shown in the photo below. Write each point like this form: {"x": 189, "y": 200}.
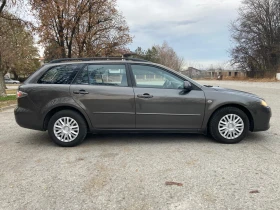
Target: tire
{"x": 70, "y": 130}
{"x": 223, "y": 130}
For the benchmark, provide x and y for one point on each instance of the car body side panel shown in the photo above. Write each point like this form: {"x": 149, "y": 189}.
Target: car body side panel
{"x": 169, "y": 109}
{"x": 41, "y": 99}
{"x": 108, "y": 107}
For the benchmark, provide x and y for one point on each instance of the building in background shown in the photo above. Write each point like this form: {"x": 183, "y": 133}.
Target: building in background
{"x": 194, "y": 73}
{"x": 214, "y": 74}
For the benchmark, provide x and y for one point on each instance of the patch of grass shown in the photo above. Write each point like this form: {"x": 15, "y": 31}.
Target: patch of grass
{"x": 8, "y": 98}
{"x": 7, "y": 103}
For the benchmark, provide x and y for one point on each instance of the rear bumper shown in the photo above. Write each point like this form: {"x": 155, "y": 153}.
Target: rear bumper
{"x": 28, "y": 119}
{"x": 262, "y": 119}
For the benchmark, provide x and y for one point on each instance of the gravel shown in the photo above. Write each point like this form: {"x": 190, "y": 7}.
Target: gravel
{"x": 142, "y": 171}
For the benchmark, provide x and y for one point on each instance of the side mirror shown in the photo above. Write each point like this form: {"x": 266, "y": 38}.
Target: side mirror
{"x": 187, "y": 86}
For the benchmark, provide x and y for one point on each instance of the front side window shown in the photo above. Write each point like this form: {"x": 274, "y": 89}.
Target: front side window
{"x": 109, "y": 75}
{"x": 63, "y": 74}
{"x": 153, "y": 77}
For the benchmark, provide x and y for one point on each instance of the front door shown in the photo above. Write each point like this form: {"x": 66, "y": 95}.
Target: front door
{"x": 106, "y": 95}
{"x": 161, "y": 102}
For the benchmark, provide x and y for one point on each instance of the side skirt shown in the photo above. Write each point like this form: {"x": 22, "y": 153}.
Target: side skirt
{"x": 198, "y": 131}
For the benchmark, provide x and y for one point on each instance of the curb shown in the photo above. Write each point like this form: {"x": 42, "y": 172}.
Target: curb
{"x": 8, "y": 107}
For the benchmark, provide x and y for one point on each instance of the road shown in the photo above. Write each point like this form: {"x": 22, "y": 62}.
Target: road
{"x": 129, "y": 171}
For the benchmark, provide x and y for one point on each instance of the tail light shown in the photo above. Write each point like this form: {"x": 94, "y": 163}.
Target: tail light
{"x": 21, "y": 94}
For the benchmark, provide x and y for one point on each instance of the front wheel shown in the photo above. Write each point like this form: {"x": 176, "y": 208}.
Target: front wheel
{"x": 67, "y": 128}
{"x": 229, "y": 125}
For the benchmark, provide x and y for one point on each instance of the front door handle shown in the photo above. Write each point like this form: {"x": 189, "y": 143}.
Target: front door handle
{"x": 83, "y": 92}
{"x": 145, "y": 95}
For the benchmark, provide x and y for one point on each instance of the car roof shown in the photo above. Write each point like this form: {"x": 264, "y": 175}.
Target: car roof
{"x": 96, "y": 61}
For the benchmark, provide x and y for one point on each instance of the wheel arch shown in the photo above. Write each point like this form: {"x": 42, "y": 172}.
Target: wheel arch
{"x": 243, "y": 108}
{"x": 60, "y": 108}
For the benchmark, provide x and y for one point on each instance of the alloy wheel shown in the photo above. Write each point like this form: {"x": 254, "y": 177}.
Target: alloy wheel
{"x": 66, "y": 129}
{"x": 231, "y": 126}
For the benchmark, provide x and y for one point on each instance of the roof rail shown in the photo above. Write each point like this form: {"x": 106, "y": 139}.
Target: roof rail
{"x": 96, "y": 59}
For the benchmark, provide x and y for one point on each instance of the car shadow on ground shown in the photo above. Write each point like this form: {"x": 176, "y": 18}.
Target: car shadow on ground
{"x": 145, "y": 138}
{"x": 42, "y": 139}
{"x": 162, "y": 138}
{"x": 257, "y": 137}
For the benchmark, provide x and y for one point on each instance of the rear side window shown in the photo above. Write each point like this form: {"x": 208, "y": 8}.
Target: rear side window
{"x": 63, "y": 74}
{"x": 109, "y": 75}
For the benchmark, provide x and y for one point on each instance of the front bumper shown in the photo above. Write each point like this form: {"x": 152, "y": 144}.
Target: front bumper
{"x": 262, "y": 119}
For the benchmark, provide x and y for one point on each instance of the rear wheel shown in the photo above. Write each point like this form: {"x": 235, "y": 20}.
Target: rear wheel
{"x": 67, "y": 128}
{"x": 229, "y": 125}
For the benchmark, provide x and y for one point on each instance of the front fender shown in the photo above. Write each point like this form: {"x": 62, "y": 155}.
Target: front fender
{"x": 216, "y": 100}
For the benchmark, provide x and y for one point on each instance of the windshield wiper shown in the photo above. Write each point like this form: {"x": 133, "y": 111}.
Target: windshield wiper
{"x": 208, "y": 86}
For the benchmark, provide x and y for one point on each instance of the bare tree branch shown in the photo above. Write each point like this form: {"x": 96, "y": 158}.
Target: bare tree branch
{"x": 256, "y": 33}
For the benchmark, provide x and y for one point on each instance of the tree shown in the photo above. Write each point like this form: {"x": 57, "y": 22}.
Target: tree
{"x": 81, "y": 28}
{"x": 168, "y": 57}
{"x": 2, "y": 82}
{"x": 4, "y": 4}
{"x": 162, "y": 54}
{"x": 17, "y": 52}
{"x": 52, "y": 51}
{"x": 256, "y": 33}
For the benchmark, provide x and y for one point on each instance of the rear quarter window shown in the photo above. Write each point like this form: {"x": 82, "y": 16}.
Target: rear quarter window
{"x": 62, "y": 74}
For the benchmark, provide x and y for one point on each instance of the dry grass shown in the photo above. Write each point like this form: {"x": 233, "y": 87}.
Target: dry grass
{"x": 11, "y": 91}
{"x": 12, "y": 84}
{"x": 7, "y": 103}
{"x": 263, "y": 80}
{"x": 251, "y": 79}
{"x": 244, "y": 79}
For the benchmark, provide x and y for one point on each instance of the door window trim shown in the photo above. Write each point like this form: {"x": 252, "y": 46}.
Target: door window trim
{"x": 161, "y": 68}
{"x": 42, "y": 74}
{"x": 129, "y": 84}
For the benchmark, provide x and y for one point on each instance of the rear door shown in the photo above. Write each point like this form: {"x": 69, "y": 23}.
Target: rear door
{"x": 106, "y": 94}
{"x": 162, "y": 103}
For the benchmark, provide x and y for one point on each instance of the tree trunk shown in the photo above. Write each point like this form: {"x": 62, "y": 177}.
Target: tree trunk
{"x": 15, "y": 75}
{"x": 2, "y": 84}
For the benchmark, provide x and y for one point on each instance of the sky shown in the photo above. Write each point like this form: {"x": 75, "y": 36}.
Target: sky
{"x": 198, "y": 30}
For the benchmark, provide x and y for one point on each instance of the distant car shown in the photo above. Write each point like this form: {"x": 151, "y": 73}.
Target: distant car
{"x": 11, "y": 81}
{"x": 70, "y": 99}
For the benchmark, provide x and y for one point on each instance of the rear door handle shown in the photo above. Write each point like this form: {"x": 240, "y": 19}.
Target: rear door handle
{"x": 145, "y": 95}
{"x": 83, "y": 92}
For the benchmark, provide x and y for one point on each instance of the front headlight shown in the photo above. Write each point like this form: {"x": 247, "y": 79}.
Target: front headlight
{"x": 263, "y": 103}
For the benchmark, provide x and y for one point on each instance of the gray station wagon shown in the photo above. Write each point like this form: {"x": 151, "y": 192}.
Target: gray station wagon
{"x": 71, "y": 97}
